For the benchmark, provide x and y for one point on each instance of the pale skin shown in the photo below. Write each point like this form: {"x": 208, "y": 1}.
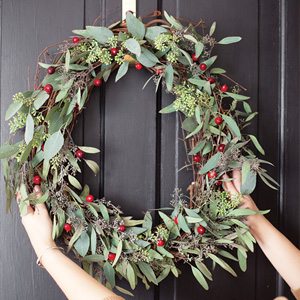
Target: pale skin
{"x": 283, "y": 255}
{"x": 73, "y": 281}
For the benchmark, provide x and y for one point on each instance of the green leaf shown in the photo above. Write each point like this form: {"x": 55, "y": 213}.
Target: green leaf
{"x": 204, "y": 270}
{"x": 182, "y": 224}
{"x": 212, "y": 28}
{"x": 164, "y": 252}
{"x": 29, "y": 130}
{"x": 64, "y": 91}
{"x": 147, "y": 271}
{"x": 229, "y": 40}
{"x": 122, "y": 70}
{"x": 74, "y": 182}
{"x": 173, "y": 21}
{"x": 75, "y": 236}
{"x": 242, "y": 261}
{"x": 118, "y": 253}
{"x": 133, "y": 46}
{"x": 154, "y": 31}
{"x": 238, "y": 212}
{"x": 198, "y": 48}
{"x": 168, "y": 109}
{"x": 222, "y": 264}
{"x": 93, "y": 166}
{"x": 245, "y": 171}
{"x": 232, "y": 126}
{"x": 198, "y": 147}
{"x": 169, "y": 77}
{"x": 147, "y": 58}
{"x": 82, "y": 245}
{"x": 237, "y": 97}
{"x": 217, "y": 71}
{"x": 200, "y": 278}
{"x": 93, "y": 241}
{"x": 91, "y": 150}
{"x": 13, "y": 108}
{"x": 41, "y": 98}
{"x": 257, "y": 144}
{"x": 77, "y": 67}
{"x": 249, "y": 183}
{"x": 67, "y": 61}
{"x": 109, "y": 273}
{"x": 53, "y": 145}
{"x": 135, "y": 26}
{"x": 187, "y": 56}
{"x": 131, "y": 276}
{"x": 211, "y": 163}
{"x": 210, "y": 61}
{"x": 100, "y": 34}
{"x": 46, "y": 66}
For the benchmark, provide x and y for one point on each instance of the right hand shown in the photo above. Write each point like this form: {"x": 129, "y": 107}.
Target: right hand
{"x": 233, "y": 187}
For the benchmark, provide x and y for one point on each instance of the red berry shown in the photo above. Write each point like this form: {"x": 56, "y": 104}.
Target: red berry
{"x": 79, "y": 153}
{"x": 48, "y": 88}
{"x": 114, "y": 51}
{"x": 50, "y": 70}
{"x": 160, "y": 243}
{"x": 75, "y": 39}
{"x": 218, "y": 120}
{"x": 67, "y": 227}
{"x": 212, "y": 174}
{"x": 138, "y": 66}
{"x": 221, "y": 148}
{"x": 219, "y": 183}
{"x": 224, "y": 88}
{"x": 201, "y": 230}
{"x": 89, "y": 198}
{"x": 197, "y": 158}
{"x": 37, "y": 179}
{"x": 97, "y": 82}
{"x": 176, "y": 220}
{"x": 158, "y": 71}
{"x": 211, "y": 80}
{"x": 203, "y": 67}
{"x": 194, "y": 57}
{"x": 111, "y": 256}
{"x": 122, "y": 228}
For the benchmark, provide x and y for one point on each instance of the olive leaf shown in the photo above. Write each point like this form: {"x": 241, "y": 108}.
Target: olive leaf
{"x": 200, "y": 278}
{"x": 230, "y": 40}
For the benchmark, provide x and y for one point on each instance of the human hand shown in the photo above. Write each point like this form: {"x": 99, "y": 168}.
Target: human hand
{"x": 38, "y": 226}
{"x": 233, "y": 187}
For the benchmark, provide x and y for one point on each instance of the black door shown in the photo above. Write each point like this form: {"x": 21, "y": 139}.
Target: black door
{"x": 140, "y": 153}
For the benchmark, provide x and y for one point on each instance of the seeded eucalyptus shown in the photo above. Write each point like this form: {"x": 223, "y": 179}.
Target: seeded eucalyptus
{"x": 201, "y": 227}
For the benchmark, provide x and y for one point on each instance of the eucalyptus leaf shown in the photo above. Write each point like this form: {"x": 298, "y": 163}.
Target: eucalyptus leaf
{"x": 200, "y": 278}
{"x": 211, "y": 163}
{"x": 230, "y": 40}
{"x": 29, "y": 129}
{"x": 122, "y": 70}
{"x": 53, "y": 145}
{"x": 133, "y": 46}
{"x": 82, "y": 244}
{"x": 135, "y": 26}
{"x": 13, "y": 108}
{"x": 93, "y": 166}
{"x": 169, "y": 76}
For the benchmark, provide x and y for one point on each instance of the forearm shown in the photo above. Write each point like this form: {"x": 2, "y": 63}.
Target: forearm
{"x": 74, "y": 282}
{"x": 284, "y": 256}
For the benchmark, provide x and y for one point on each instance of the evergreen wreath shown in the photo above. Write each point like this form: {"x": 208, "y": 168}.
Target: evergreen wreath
{"x": 203, "y": 227}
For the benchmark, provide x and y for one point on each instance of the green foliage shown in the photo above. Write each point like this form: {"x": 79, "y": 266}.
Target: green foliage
{"x": 101, "y": 236}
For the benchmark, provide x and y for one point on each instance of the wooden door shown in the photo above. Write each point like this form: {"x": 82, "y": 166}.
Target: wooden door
{"x": 140, "y": 152}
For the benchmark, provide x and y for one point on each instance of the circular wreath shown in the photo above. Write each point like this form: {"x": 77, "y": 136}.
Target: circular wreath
{"x": 205, "y": 225}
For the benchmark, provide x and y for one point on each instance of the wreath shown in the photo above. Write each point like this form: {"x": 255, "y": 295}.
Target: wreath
{"x": 202, "y": 227}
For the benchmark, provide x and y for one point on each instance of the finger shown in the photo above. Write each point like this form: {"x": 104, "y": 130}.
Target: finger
{"x": 30, "y": 211}
{"x": 37, "y": 189}
{"x": 237, "y": 179}
{"x": 228, "y": 185}
{"x": 40, "y": 208}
